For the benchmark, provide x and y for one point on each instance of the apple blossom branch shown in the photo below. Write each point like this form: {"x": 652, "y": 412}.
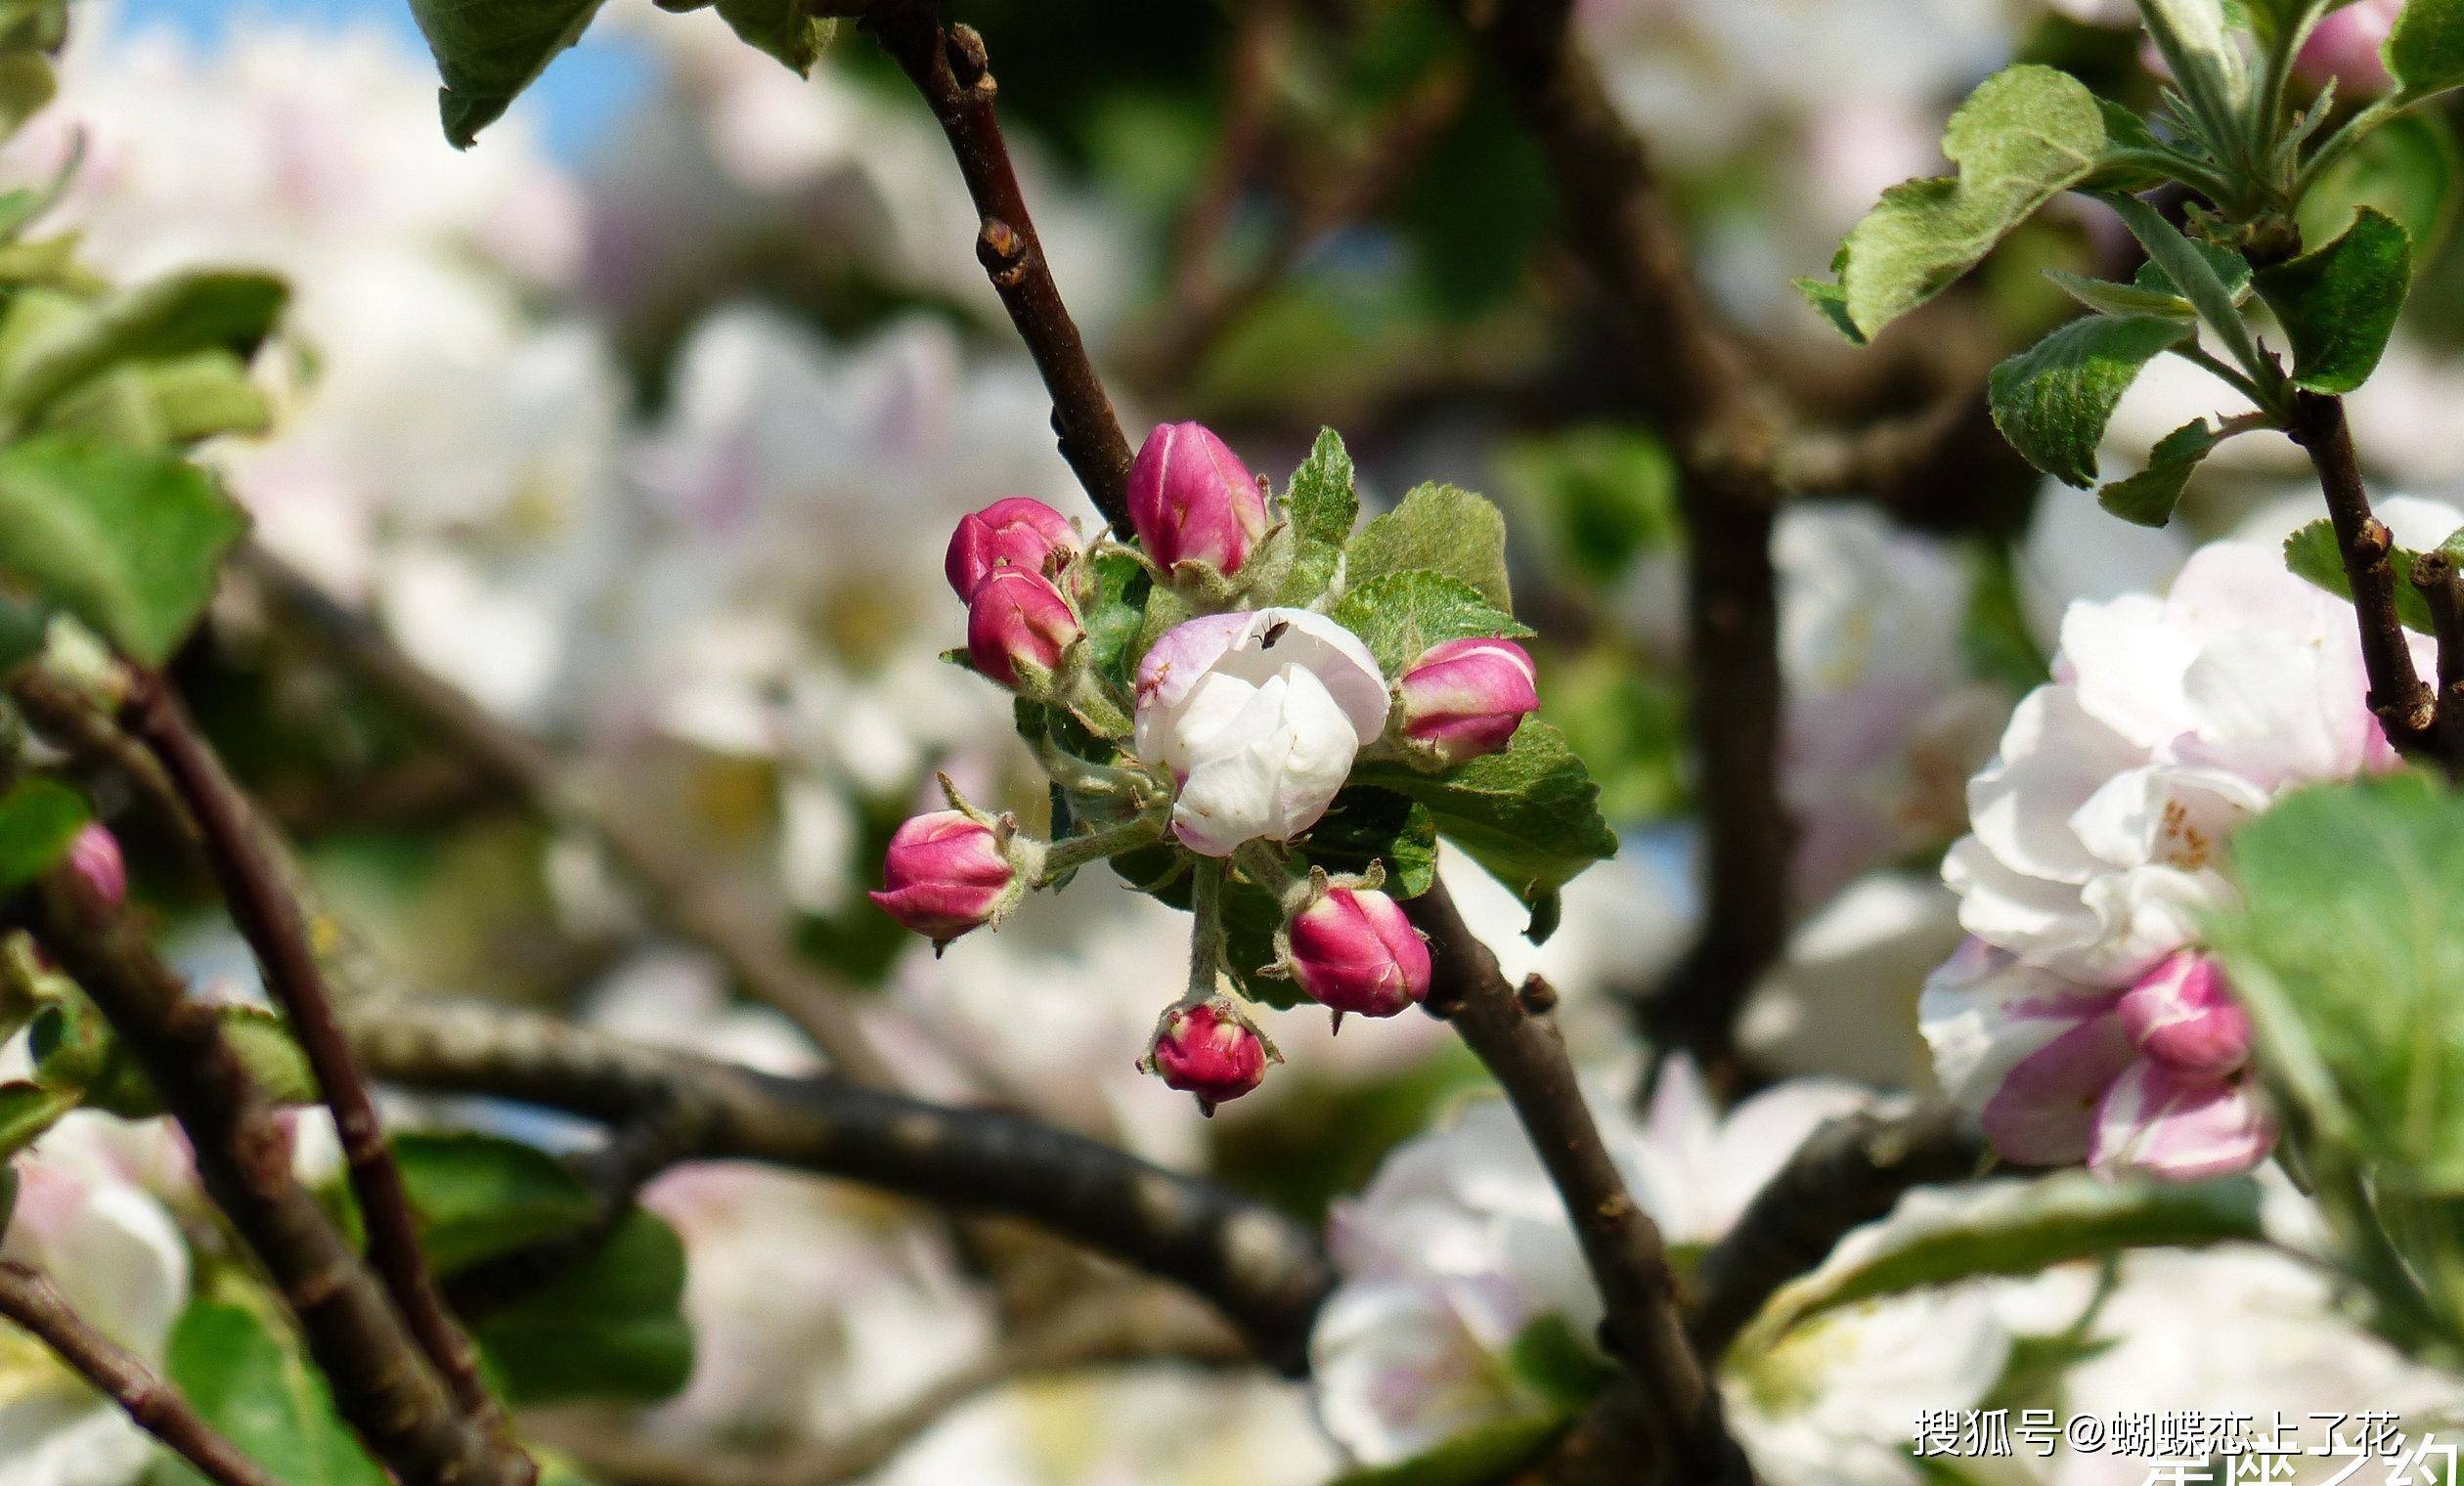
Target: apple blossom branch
{"x": 1264, "y": 1272}
{"x": 271, "y": 919}
{"x": 1514, "y": 1037}
{"x": 383, "y": 1383}
{"x": 30, "y": 1301}
{"x": 949, "y": 68}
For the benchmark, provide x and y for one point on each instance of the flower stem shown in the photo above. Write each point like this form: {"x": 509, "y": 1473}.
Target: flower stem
{"x": 1095, "y": 845}
{"x": 1206, "y": 934}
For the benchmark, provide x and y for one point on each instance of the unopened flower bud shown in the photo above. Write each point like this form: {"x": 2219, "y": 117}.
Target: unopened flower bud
{"x": 1205, "y": 1051}
{"x": 2181, "y": 1014}
{"x": 1353, "y": 951}
{"x": 94, "y": 855}
{"x": 1018, "y": 533}
{"x": 1192, "y": 499}
{"x": 1466, "y": 697}
{"x": 1017, "y": 618}
{"x": 945, "y": 874}
{"x": 2344, "y": 47}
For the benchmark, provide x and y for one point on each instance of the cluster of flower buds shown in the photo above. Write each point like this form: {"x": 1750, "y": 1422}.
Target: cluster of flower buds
{"x": 1242, "y": 725}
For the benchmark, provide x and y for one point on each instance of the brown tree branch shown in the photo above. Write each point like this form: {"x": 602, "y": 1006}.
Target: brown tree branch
{"x": 1265, "y": 1273}
{"x": 382, "y": 1384}
{"x": 2398, "y": 697}
{"x": 261, "y": 905}
{"x": 949, "y": 68}
{"x": 1516, "y": 1040}
{"x": 2442, "y": 588}
{"x": 1850, "y": 1173}
{"x": 29, "y": 1300}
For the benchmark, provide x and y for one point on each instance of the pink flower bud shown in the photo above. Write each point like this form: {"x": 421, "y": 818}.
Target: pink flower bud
{"x": 1201, "y": 1051}
{"x": 1466, "y": 697}
{"x": 1192, "y": 499}
{"x": 2182, "y": 1015}
{"x": 944, "y": 875}
{"x": 94, "y": 855}
{"x": 1018, "y": 532}
{"x": 1353, "y": 951}
{"x": 1017, "y": 618}
{"x": 2344, "y": 47}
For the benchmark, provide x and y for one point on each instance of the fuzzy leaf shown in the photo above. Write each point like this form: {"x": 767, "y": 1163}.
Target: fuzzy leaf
{"x": 2425, "y": 52}
{"x": 38, "y": 817}
{"x": 2349, "y": 949}
{"x": 2026, "y": 134}
{"x": 1321, "y": 501}
{"x": 2339, "y": 304}
{"x": 1440, "y": 528}
{"x": 786, "y": 29}
{"x": 488, "y": 51}
{"x": 2122, "y": 300}
{"x": 255, "y": 1388}
{"x": 2148, "y": 498}
{"x": 128, "y": 542}
{"x": 1399, "y": 616}
{"x": 177, "y": 315}
{"x": 2054, "y": 400}
{"x": 2010, "y": 1225}
{"x": 1529, "y": 814}
{"x": 2313, "y": 554}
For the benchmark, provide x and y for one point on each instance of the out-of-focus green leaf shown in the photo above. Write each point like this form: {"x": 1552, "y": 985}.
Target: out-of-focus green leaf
{"x": 260, "y": 1392}
{"x": 480, "y": 1197}
{"x": 1606, "y": 495}
{"x": 2408, "y": 168}
{"x": 2312, "y": 553}
{"x": 177, "y": 315}
{"x": 27, "y": 1110}
{"x": 609, "y": 1328}
{"x": 2424, "y": 51}
{"x": 2349, "y": 949}
{"x": 786, "y": 29}
{"x": 38, "y": 817}
{"x": 1491, "y": 1453}
{"x": 127, "y": 540}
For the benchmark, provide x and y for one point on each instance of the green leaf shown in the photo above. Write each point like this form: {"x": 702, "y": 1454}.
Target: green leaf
{"x": 1529, "y": 814}
{"x": 1399, "y": 616}
{"x": 2010, "y": 1225}
{"x": 178, "y": 315}
{"x": 481, "y": 1197}
{"x": 128, "y": 542}
{"x": 258, "y": 1389}
{"x": 1367, "y": 824}
{"x": 38, "y": 817}
{"x": 609, "y": 1328}
{"x": 1560, "y": 1366}
{"x": 27, "y": 1110}
{"x": 1479, "y": 1456}
{"x": 2148, "y": 498}
{"x": 26, "y": 86}
{"x": 2025, "y": 135}
{"x": 488, "y": 51}
{"x": 1115, "y": 614}
{"x": 1606, "y": 495}
{"x": 2122, "y": 300}
{"x": 2408, "y": 168}
{"x": 2312, "y": 553}
{"x": 1440, "y": 528}
{"x": 1320, "y": 501}
{"x": 2225, "y": 266}
{"x": 2425, "y": 52}
{"x": 786, "y": 29}
{"x": 2210, "y": 279}
{"x": 2349, "y": 949}
{"x": 2054, "y": 400}
{"x": 257, "y": 1036}
{"x": 2339, "y": 304}
{"x": 1829, "y": 299}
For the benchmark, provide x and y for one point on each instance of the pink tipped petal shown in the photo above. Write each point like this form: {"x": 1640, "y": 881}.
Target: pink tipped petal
{"x": 1018, "y": 532}
{"x": 1018, "y": 617}
{"x": 2045, "y": 1114}
{"x": 1466, "y": 697}
{"x": 1191, "y": 499}
{"x": 2169, "y": 1125}
{"x": 2182, "y": 1015}
{"x": 1353, "y": 951}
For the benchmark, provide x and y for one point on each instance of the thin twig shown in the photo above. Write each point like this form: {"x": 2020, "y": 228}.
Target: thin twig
{"x": 1621, "y": 1245}
{"x": 949, "y": 67}
{"x": 382, "y": 1384}
{"x": 2442, "y": 588}
{"x": 1264, "y": 1272}
{"x": 681, "y": 893}
{"x": 271, "y": 920}
{"x": 28, "y": 1300}
{"x": 1851, "y": 1171}
{"x": 2398, "y": 697}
